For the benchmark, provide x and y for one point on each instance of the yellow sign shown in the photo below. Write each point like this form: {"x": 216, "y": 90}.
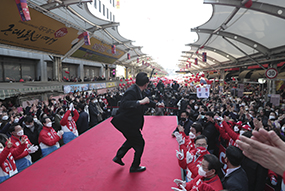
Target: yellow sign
{"x": 98, "y": 51}
{"x": 41, "y": 33}
{"x": 110, "y": 84}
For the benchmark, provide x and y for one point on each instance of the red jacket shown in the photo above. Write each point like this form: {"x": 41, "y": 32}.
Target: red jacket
{"x": 199, "y": 184}
{"x": 48, "y": 136}
{"x": 227, "y": 133}
{"x": 17, "y": 143}
{"x": 188, "y": 145}
{"x": 193, "y": 166}
{"x": 7, "y": 161}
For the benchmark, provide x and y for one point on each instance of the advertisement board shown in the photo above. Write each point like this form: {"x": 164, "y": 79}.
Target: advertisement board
{"x": 41, "y": 33}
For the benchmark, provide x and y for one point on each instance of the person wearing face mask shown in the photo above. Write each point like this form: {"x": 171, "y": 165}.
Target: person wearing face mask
{"x": 192, "y": 159}
{"x": 207, "y": 180}
{"x": 24, "y": 159}
{"x": 184, "y": 123}
{"x": 235, "y": 178}
{"x": 187, "y": 142}
{"x": 7, "y": 163}
{"x": 68, "y": 124}
{"x": 93, "y": 112}
{"x": 32, "y": 129}
{"x": 48, "y": 138}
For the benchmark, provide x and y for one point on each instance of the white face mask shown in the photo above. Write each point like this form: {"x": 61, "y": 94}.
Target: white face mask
{"x": 69, "y": 118}
{"x": 201, "y": 172}
{"x": 20, "y": 133}
{"x": 49, "y": 124}
{"x": 283, "y": 129}
{"x": 29, "y": 126}
{"x": 16, "y": 120}
{"x": 1, "y": 150}
{"x": 241, "y": 132}
{"x": 236, "y": 129}
{"x": 271, "y": 117}
{"x": 191, "y": 135}
{"x": 196, "y": 107}
{"x": 35, "y": 119}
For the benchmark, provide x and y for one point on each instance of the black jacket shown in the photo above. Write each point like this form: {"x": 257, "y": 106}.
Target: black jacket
{"x": 93, "y": 113}
{"x": 211, "y": 133}
{"x": 130, "y": 114}
{"x": 82, "y": 122}
{"x": 236, "y": 181}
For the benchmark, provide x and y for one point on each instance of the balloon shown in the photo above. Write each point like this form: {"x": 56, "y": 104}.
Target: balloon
{"x": 203, "y": 75}
{"x": 202, "y": 84}
{"x": 121, "y": 80}
{"x": 131, "y": 78}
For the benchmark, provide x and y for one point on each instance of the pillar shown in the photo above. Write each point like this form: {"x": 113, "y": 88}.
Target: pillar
{"x": 57, "y": 69}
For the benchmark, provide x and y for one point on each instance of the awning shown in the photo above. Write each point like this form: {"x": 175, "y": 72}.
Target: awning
{"x": 243, "y": 74}
{"x": 258, "y": 74}
{"x": 214, "y": 75}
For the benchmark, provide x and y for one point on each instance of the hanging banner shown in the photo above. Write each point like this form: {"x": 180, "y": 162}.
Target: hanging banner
{"x": 41, "y": 33}
{"x": 275, "y": 99}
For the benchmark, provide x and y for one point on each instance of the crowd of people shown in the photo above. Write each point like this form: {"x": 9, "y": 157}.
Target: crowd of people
{"x": 30, "y": 133}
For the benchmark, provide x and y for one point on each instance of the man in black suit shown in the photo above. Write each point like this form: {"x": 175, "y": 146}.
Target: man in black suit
{"x": 130, "y": 119}
{"x": 235, "y": 178}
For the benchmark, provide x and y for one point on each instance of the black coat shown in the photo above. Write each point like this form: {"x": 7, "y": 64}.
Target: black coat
{"x": 256, "y": 174}
{"x": 236, "y": 181}
{"x": 131, "y": 115}
{"x": 82, "y": 122}
{"x": 93, "y": 113}
{"x": 187, "y": 125}
{"x": 211, "y": 133}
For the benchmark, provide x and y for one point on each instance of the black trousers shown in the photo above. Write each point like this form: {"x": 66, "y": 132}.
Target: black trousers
{"x": 134, "y": 140}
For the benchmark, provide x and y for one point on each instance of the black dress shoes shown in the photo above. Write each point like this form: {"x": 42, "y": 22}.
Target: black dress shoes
{"x": 138, "y": 169}
{"x": 119, "y": 161}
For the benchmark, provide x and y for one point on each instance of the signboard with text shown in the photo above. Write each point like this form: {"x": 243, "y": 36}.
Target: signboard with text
{"x": 41, "y": 33}
{"x": 98, "y": 51}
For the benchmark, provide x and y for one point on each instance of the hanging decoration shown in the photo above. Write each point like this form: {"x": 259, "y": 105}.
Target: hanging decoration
{"x": 128, "y": 56}
{"x": 86, "y": 38}
{"x": 204, "y": 55}
{"x": 23, "y": 10}
{"x": 113, "y": 49}
{"x": 138, "y": 60}
{"x": 196, "y": 61}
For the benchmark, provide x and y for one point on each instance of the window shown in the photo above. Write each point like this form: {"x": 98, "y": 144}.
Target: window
{"x": 107, "y": 13}
{"x": 103, "y": 9}
{"x": 113, "y": 3}
{"x": 110, "y": 1}
{"x": 111, "y": 16}
{"x": 99, "y": 6}
{"x": 95, "y": 4}
{"x": 114, "y": 18}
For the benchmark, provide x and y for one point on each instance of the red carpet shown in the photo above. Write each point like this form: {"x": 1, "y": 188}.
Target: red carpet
{"x": 86, "y": 162}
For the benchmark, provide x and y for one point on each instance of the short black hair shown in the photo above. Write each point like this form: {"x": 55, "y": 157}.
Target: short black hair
{"x": 213, "y": 161}
{"x": 43, "y": 120}
{"x": 198, "y": 127}
{"x": 141, "y": 78}
{"x": 28, "y": 119}
{"x": 12, "y": 127}
{"x": 3, "y": 139}
{"x": 201, "y": 137}
{"x": 234, "y": 155}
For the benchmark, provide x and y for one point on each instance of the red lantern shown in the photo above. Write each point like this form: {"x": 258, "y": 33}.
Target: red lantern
{"x": 121, "y": 80}
{"x": 66, "y": 72}
{"x": 248, "y": 4}
{"x": 21, "y": 80}
{"x": 197, "y": 86}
